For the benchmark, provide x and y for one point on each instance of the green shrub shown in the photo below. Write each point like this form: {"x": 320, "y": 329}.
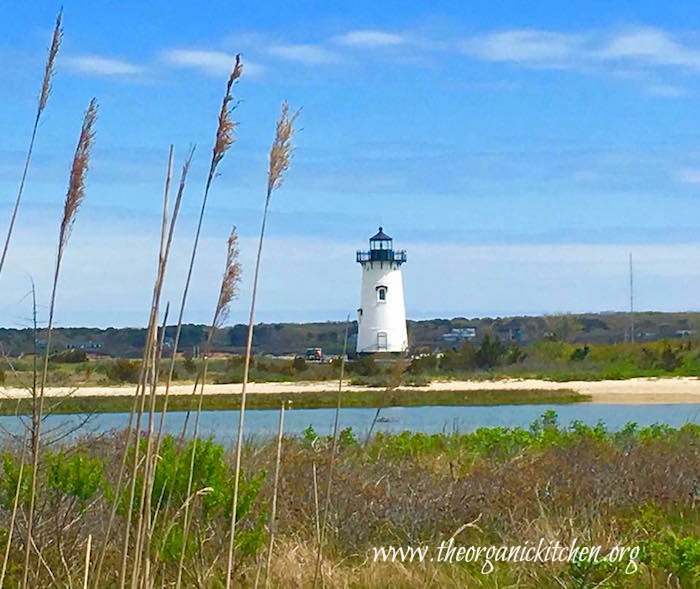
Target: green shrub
{"x": 10, "y": 479}
{"x": 422, "y": 364}
{"x": 364, "y": 366}
{"x": 579, "y": 354}
{"x": 490, "y": 353}
{"x": 674, "y": 555}
{"x": 72, "y": 356}
{"x": 123, "y": 370}
{"x": 669, "y": 359}
{"x": 76, "y": 475}
{"x": 189, "y": 364}
{"x": 463, "y": 359}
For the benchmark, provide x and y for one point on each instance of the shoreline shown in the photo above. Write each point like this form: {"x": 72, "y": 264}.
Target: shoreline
{"x": 672, "y": 390}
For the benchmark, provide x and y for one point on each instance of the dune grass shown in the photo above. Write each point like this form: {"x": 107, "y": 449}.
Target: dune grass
{"x": 307, "y": 400}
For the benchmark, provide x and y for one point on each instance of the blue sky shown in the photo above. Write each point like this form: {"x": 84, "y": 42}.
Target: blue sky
{"x": 519, "y": 152}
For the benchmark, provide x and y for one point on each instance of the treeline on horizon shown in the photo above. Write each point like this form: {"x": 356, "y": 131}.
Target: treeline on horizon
{"x": 425, "y": 336}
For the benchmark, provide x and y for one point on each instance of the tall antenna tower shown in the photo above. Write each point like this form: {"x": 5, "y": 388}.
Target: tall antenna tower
{"x": 631, "y": 300}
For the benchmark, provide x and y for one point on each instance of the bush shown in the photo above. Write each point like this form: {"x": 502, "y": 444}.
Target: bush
{"x": 423, "y": 363}
{"x": 72, "y": 356}
{"x": 489, "y": 353}
{"x": 123, "y": 370}
{"x": 77, "y": 476}
{"x": 463, "y": 359}
{"x": 299, "y": 364}
{"x": 189, "y": 364}
{"x": 579, "y": 354}
{"x": 669, "y": 359}
{"x": 364, "y": 366}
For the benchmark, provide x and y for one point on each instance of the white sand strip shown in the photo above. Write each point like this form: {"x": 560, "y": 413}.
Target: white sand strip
{"x": 630, "y": 391}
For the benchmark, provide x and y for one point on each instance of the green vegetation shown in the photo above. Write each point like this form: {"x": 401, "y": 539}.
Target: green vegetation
{"x": 492, "y": 358}
{"x": 425, "y": 336}
{"x": 561, "y": 361}
{"x": 305, "y": 400}
{"x": 516, "y": 485}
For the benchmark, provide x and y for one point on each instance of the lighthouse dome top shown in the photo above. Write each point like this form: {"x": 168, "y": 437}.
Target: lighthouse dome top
{"x": 381, "y": 249}
{"x": 380, "y": 236}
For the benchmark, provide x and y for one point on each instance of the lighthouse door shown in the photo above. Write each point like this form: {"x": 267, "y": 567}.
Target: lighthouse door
{"x": 381, "y": 340}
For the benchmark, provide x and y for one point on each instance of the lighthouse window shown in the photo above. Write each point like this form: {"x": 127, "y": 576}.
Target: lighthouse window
{"x": 381, "y": 293}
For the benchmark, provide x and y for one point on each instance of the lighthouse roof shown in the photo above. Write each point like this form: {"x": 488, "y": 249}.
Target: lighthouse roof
{"x": 380, "y": 236}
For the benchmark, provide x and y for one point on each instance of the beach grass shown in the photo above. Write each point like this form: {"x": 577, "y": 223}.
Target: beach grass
{"x": 307, "y": 400}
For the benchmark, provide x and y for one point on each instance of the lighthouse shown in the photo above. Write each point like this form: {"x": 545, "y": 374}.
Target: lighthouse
{"x": 381, "y": 318}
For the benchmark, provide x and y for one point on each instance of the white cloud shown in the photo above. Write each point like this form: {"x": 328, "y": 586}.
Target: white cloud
{"x": 651, "y": 46}
{"x": 528, "y": 46}
{"x": 666, "y": 90}
{"x": 370, "y": 38}
{"x": 304, "y": 53}
{"x": 98, "y": 65}
{"x": 213, "y": 63}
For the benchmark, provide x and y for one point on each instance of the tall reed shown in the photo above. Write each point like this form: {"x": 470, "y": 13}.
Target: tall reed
{"x": 74, "y": 198}
{"x": 280, "y": 159}
{"x": 163, "y": 258}
{"x": 334, "y": 452}
{"x": 151, "y": 356}
{"x": 42, "y": 101}
{"x": 224, "y": 139}
{"x": 275, "y": 488}
{"x": 229, "y": 289}
{"x": 140, "y": 397}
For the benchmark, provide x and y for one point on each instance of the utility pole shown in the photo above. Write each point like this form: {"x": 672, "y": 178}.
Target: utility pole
{"x": 631, "y": 300}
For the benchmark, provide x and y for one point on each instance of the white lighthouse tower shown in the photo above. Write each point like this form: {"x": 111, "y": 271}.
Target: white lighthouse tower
{"x": 381, "y": 319}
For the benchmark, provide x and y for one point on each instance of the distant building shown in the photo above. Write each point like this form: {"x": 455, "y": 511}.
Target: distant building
{"x": 510, "y": 334}
{"x": 461, "y": 334}
{"x": 84, "y": 346}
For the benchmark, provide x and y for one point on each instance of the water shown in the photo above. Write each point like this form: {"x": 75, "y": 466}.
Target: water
{"x": 261, "y": 423}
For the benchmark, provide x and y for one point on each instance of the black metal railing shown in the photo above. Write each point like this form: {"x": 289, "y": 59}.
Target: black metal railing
{"x": 381, "y": 256}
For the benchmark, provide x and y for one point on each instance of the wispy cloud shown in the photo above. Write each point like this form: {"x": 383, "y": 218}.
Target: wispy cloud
{"x": 632, "y": 47}
{"x": 525, "y": 46}
{"x": 99, "y": 65}
{"x": 304, "y": 53}
{"x": 653, "y": 46}
{"x": 370, "y": 38}
{"x": 666, "y": 90}
{"x": 212, "y": 63}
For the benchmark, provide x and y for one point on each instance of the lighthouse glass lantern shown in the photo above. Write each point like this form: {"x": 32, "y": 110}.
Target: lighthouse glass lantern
{"x": 381, "y": 317}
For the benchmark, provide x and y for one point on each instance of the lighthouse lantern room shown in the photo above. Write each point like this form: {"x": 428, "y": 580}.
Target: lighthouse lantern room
{"x": 381, "y": 319}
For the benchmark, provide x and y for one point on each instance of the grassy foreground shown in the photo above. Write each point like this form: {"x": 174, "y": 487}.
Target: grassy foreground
{"x": 306, "y": 400}
{"x": 637, "y": 487}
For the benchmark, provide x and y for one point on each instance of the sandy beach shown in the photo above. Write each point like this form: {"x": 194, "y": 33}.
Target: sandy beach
{"x": 631, "y": 391}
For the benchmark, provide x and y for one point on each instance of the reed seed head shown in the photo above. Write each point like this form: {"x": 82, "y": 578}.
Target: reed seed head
{"x": 51, "y": 62}
{"x": 76, "y": 185}
{"x": 230, "y": 281}
{"x": 282, "y": 148}
{"x": 226, "y": 127}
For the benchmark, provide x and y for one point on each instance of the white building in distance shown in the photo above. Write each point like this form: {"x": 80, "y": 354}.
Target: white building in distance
{"x": 381, "y": 318}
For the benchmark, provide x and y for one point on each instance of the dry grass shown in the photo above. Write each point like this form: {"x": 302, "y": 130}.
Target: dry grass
{"x": 280, "y": 157}
{"x": 229, "y": 289}
{"x": 599, "y": 490}
{"x": 74, "y": 198}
